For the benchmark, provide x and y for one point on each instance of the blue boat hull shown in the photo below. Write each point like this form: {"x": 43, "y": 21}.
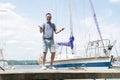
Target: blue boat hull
{"x": 97, "y": 64}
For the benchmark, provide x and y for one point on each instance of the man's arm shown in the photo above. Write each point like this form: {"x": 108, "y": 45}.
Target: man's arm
{"x": 56, "y": 32}
{"x": 40, "y": 29}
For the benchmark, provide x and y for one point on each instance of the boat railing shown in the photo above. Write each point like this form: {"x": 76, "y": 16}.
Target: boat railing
{"x": 95, "y": 48}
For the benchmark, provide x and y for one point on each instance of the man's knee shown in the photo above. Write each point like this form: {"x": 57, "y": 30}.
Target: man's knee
{"x": 44, "y": 53}
{"x": 53, "y": 53}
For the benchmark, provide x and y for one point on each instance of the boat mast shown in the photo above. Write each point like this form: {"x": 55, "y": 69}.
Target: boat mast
{"x": 97, "y": 25}
{"x": 1, "y": 42}
{"x": 71, "y": 24}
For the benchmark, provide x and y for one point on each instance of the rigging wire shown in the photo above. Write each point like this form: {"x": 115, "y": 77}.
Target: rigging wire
{"x": 97, "y": 25}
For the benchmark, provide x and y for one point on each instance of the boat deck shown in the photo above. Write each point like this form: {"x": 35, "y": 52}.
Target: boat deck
{"x": 60, "y": 74}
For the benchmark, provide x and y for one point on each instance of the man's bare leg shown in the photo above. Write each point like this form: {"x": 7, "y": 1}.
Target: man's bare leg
{"x": 44, "y": 58}
{"x": 52, "y": 58}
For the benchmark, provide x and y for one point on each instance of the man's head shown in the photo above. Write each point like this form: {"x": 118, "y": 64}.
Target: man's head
{"x": 48, "y": 17}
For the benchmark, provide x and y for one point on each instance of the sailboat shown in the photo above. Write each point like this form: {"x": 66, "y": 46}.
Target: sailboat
{"x": 97, "y": 51}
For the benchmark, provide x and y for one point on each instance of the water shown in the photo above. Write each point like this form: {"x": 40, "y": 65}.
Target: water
{"x": 27, "y": 66}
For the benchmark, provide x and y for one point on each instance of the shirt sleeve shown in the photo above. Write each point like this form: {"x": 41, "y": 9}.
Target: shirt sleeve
{"x": 54, "y": 28}
{"x": 43, "y": 26}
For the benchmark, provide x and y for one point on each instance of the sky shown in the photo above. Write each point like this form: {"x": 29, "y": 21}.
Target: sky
{"x": 19, "y": 19}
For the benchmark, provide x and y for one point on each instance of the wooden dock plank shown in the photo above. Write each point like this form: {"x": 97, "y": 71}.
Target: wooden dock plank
{"x": 37, "y": 74}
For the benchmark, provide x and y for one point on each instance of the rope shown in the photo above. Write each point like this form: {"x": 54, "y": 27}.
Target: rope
{"x": 97, "y": 25}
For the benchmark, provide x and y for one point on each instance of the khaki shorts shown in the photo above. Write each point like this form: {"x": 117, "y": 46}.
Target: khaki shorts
{"x": 48, "y": 44}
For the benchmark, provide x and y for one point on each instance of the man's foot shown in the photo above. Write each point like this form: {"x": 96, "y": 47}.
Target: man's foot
{"x": 43, "y": 68}
{"x": 52, "y": 67}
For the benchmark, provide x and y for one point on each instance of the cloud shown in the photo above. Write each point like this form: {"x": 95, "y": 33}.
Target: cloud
{"x": 20, "y": 35}
{"x": 108, "y": 30}
{"x": 7, "y": 6}
{"x": 13, "y": 41}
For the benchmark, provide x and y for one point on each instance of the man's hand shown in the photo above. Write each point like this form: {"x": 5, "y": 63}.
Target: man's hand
{"x": 41, "y": 28}
{"x": 59, "y": 31}
{"x": 62, "y": 29}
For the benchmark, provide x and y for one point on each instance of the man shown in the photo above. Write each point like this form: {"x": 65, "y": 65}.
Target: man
{"x": 48, "y": 29}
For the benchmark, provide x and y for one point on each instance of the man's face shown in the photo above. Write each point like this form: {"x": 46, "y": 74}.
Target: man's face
{"x": 48, "y": 18}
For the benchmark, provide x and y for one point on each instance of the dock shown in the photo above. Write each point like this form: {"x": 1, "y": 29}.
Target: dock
{"x": 60, "y": 74}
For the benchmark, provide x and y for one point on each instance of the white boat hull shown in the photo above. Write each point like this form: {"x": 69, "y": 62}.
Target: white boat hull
{"x": 83, "y": 62}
